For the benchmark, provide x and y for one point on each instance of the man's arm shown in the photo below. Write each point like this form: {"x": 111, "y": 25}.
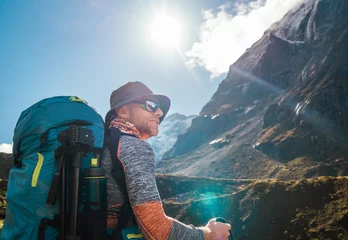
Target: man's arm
{"x": 138, "y": 161}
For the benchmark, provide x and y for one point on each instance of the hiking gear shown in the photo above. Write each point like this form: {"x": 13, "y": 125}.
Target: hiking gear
{"x": 92, "y": 219}
{"x": 54, "y": 141}
{"x": 134, "y": 90}
{"x": 148, "y": 105}
{"x": 221, "y": 219}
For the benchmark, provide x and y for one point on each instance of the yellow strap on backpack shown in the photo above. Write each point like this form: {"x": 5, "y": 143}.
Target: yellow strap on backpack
{"x": 131, "y": 236}
{"x": 37, "y": 170}
{"x": 75, "y": 99}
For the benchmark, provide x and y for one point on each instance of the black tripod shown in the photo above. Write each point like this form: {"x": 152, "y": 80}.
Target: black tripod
{"x": 77, "y": 142}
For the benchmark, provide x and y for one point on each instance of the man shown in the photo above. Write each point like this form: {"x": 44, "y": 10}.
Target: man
{"x": 130, "y": 164}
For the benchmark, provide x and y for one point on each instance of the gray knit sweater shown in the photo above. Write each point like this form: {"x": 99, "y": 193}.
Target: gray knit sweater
{"x": 138, "y": 161}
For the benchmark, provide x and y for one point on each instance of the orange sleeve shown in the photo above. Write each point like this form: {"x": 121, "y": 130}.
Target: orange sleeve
{"x": 153, "y": 221}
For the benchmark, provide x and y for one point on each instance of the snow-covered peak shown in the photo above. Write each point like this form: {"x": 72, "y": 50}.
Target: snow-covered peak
{"x": 5, "y": 148}
{"x": 171, "y": 127}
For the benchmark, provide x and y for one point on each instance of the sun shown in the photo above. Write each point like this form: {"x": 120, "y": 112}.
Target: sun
{"x": 166, "y": 31}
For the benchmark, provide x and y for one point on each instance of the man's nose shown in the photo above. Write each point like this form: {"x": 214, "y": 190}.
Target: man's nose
{"x": 159, "y": 112}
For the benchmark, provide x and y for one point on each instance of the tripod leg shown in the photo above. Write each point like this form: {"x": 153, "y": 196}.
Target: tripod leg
{"x": 52, "y": 194}
{"x": 74, "y": 193}
{"x": 62, "y": 200}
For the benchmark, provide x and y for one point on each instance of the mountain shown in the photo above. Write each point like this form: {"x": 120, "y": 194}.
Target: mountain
{"x": 5, "y": 148}
{"x": 282, "y": 110}
{"x": 171, "y": 127}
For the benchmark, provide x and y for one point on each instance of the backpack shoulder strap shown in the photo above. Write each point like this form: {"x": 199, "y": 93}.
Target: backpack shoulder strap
{"x": 112, "y": 140}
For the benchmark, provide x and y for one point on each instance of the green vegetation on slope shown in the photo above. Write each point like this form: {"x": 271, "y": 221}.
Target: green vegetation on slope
{"x": 305, "y": 209}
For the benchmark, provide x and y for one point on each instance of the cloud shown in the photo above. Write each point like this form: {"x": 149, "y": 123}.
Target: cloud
{"x": 228, "y": 31}
{"x": 5, "y": 147}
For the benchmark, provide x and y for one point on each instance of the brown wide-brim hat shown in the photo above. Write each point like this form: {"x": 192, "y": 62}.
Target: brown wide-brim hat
{"x": 132, "y": 91}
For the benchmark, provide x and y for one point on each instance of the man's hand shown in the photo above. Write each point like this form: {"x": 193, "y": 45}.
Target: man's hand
{"x": 216, "y": 230}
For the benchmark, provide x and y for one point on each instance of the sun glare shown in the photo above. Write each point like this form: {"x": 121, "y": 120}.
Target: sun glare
{"x": 166, "y": 31}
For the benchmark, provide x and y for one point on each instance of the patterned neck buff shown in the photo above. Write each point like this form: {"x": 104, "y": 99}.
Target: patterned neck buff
{"x": 125, "y": 127}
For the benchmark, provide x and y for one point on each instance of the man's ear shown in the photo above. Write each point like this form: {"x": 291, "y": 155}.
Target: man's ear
{"x": 122, "y": 112}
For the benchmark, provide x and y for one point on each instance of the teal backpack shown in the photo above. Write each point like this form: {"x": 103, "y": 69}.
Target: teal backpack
{"x": 56, "y": 187}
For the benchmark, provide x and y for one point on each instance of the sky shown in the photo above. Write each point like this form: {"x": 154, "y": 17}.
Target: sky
{"x": 88, "y": 48}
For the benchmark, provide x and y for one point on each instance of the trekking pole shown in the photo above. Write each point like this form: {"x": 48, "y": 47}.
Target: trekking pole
{"x": 220, "y": 219}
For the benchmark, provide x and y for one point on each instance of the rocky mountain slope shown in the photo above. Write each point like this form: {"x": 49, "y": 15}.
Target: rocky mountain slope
{"x": 282, "y": 110}
{"x": 171, "y": 127}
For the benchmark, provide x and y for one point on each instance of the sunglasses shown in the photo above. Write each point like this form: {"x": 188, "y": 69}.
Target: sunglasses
{"x": 148, "y": 105}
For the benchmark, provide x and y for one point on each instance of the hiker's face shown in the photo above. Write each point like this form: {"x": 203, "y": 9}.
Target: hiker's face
{"x": 146, "y": 122}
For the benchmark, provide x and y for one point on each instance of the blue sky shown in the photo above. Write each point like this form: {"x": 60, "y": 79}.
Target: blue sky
{"x": 89, "y": 48}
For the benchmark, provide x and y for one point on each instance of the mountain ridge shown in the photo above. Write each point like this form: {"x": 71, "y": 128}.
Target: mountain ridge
{"x": 283, "y": 104}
